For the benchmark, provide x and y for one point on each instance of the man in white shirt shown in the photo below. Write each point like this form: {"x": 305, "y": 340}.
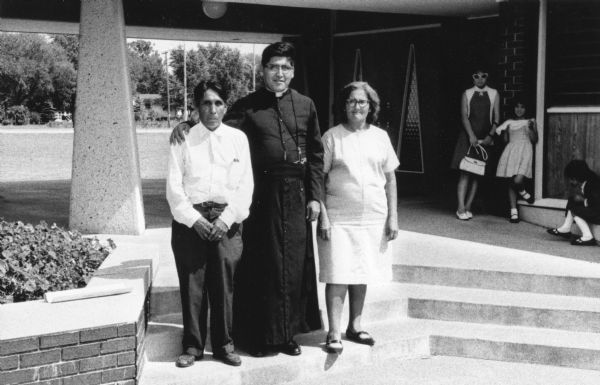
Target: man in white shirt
{"x": 209, "y": 190}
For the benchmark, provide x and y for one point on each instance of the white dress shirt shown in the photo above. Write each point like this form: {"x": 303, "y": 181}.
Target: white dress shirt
{"x": 210, "y": 166}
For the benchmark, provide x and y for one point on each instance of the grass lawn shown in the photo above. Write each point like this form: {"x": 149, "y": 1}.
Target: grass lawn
{"x": 27, "y": 155}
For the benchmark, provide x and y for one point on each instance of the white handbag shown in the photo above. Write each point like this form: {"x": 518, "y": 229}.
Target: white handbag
{"x": 474, "y": 165}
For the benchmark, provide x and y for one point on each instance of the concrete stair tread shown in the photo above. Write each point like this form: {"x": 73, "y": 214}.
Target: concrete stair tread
{"x": 440, "y": 370}
{"x": 163, "y": 347}
{"x": 500, "y": 298}
{"x": 504, "y": 333}
{"x": 383, "y": 300}
{"x": 375, "y": 292}
{"x": 402, "y": 339}
{"x": 417, "y": 249}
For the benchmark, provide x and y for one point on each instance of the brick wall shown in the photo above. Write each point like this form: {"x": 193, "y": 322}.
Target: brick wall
{"x": 104, "y": 355}
{"x": 518, "y": 54}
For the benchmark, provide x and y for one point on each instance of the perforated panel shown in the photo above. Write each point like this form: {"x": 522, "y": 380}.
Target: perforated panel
{"x": 410, "y": 148}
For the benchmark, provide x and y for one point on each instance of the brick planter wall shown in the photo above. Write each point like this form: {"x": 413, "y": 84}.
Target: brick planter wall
{"x": 105, "y": 355}
{"x": 90, "y": 341}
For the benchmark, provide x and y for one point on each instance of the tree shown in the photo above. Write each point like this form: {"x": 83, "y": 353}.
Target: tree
{"x": 146, "y": 68}
{"x": 70, "y": 44}
{"x": 215, "y": 62}
{"x": 33, "y": 71}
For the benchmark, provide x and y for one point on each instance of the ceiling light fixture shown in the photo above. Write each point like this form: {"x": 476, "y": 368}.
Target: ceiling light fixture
{"x": 214, "y": 9}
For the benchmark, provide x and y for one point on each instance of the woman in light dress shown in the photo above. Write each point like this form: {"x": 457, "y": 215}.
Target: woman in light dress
{"x": 359, "y": 215}
{"x": 517, "y": 158}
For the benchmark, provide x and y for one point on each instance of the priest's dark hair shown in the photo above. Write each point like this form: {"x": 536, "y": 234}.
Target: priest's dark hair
{"x": 281, "y": 48}
{"x": 344, "y": 94}
{"x": 204, "y": 86}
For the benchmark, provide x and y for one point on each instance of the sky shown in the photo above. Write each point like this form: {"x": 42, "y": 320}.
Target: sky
{"x": 166, "y": 45}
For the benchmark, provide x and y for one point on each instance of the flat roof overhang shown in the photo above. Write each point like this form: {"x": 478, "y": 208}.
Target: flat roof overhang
{"x": 246, "y": 21}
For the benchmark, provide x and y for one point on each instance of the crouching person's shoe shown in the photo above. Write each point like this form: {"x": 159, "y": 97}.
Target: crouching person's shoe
{"x": 232, "y": 358}
{"x": 581, "y": 242}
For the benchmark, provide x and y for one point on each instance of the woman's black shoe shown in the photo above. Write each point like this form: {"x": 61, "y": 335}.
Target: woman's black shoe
{"x": 558, "y": 233}
{"x": 361, "y": 337}
{"x": 290, "y": 348}
{"x": 581, "y": 242}
{"x": 333, "y": 346}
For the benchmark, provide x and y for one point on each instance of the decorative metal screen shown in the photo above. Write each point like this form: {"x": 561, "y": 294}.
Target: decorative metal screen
{"x": 410, "y": 144}
{"x": 358, "y": 70}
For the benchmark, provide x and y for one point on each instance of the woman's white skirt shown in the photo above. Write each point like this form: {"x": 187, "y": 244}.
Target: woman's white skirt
{"x": 355, "y": 254}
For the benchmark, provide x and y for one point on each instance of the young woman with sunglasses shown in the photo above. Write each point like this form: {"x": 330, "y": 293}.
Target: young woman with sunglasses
{"x": 480, "y": 111}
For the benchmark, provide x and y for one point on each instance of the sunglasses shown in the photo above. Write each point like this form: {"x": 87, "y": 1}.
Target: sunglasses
{"x": 482, "y": 76}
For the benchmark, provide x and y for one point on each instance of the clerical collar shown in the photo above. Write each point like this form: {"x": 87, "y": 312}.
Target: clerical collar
{"x": 278, "y": 94}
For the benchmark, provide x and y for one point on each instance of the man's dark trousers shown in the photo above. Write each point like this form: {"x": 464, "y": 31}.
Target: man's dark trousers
{"x": 206, "y": 265}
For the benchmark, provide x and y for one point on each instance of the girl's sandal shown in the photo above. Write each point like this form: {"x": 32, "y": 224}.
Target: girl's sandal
{"x": 527, "y": 196}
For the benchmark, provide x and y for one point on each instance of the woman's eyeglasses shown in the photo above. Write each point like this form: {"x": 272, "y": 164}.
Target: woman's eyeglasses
{"x": 357, "y": 102}
{"x": 480, "y": 76}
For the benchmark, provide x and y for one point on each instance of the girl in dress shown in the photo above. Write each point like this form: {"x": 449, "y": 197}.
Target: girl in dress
{"x": 517, "y": 158}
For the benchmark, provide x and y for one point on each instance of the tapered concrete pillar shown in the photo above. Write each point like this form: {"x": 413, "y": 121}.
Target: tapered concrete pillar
{"x": 106, "y": 193}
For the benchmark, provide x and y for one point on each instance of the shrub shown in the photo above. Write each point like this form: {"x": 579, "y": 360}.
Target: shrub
{"x": 47, "y": 112}
{"x": 36, "y": 259}
{"x": 19, "y": 115}
{"x": 35, "y": 117}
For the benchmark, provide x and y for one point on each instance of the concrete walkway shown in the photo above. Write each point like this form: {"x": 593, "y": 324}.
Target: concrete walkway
{"x": 49, "y": 201}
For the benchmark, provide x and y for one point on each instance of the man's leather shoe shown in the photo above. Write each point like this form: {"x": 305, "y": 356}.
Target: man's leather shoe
{"x": 185, "y": 360}
{"x": 228, "y": 358}
{"x": 290, "y": 348}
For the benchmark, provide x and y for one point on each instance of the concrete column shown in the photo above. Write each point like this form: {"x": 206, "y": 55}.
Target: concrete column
{"x": 106, "y": 193}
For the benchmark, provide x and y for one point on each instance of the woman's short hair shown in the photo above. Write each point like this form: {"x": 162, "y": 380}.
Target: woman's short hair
{"x": 578, "y": 169}
{"x": 344, "y": 94}
{"x": 281, "y": 48}
{"x": 204, "y": 86}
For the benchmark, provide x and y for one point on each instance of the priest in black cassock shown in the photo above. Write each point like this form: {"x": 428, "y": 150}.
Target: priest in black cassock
{"x": 275, "y": 292}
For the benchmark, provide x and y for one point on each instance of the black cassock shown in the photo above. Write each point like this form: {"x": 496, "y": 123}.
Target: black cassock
{"x": 275, "y": 295}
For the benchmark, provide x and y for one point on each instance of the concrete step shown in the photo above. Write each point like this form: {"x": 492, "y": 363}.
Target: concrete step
{"x": 511, "y": 343}
{"x": 502, "y": 307}
{"x": 435, "y": 260}
{"x": 395, "y": 340}
{"x": 454, "y": 371}
{"x": 163, "y": 346}
{"x": 384, "y": 302}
